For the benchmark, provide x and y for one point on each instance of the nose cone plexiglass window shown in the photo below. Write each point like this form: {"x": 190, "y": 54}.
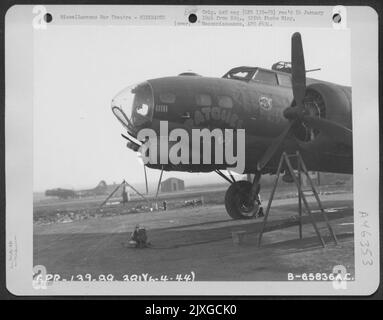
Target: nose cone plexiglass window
{"x": 134, "y": 106}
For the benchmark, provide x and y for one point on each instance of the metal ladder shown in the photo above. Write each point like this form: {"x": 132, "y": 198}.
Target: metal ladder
{"x": 301, "y": 168}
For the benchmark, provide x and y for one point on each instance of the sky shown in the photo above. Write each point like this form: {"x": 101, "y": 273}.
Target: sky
{"x": 79, "y": 69}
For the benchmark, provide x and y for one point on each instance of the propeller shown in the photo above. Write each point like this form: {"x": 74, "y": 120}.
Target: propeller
{"x": 298, "y": 79}
{"x": 296, "y": 113}
{"x": 274, "y": 147}
{"x": 298, "y": 70}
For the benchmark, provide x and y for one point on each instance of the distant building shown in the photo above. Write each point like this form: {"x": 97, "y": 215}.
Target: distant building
{"x": 172, "y": 185}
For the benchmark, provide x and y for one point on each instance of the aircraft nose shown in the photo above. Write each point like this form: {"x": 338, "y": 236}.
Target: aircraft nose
{"x": 122, "y": 106}
{"x": 134, "y": 106}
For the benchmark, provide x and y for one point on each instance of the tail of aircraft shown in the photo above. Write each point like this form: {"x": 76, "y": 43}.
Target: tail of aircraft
{"x": 101, "y": 184}
{"x": 101, "y": 188}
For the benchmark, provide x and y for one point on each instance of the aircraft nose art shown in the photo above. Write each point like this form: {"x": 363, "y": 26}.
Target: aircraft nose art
{"x": 134, "y": 106}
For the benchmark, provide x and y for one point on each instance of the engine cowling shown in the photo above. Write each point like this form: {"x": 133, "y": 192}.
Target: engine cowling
{"x": 327, "y": 101}
{"x": 337, "y": 101}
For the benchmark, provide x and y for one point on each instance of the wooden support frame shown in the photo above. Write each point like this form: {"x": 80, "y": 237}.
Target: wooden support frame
{"x": 123, "y": 183}
{"x": 301, "y": 168}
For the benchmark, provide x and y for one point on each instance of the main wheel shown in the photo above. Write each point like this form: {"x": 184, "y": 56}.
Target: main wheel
{"x": 237, "y": 201}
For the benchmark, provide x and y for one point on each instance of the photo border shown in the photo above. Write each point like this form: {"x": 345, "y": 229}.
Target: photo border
{"x": 353, "y": 83}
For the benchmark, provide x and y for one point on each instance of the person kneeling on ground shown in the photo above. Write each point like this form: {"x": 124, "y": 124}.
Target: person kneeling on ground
{"x": 139, "y": 237}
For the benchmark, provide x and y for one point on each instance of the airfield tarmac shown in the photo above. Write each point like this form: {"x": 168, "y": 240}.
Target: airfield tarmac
{"x": 199, "y": 239}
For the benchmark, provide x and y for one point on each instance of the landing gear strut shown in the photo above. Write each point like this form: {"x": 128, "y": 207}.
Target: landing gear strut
{"x": 242, "y": 199}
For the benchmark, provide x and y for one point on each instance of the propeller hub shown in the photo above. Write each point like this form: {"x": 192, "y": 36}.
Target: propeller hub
{"x": 293, "y": 113}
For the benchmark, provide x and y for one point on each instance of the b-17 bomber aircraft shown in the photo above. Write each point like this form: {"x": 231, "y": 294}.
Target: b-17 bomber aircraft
{"x": 280, "y": 111}
{"x": 100, "y": 189}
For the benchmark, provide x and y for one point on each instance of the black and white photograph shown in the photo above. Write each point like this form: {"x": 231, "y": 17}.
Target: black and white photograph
{"x": 215, "y": 150}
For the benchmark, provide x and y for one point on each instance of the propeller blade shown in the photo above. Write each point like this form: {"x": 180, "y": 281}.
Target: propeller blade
{"x": 330, "y": 128}
{"x": 298, "y": 69}
{"x": 274, "y": 147}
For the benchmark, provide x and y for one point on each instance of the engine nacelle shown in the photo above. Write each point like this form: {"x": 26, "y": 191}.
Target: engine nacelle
{"x": 336, "y": 101}
{"x": 328, "y": 101}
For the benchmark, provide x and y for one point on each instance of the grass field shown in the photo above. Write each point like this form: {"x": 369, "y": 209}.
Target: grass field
{"x": 79, "y": 209}
{"x": 198, "y": 239}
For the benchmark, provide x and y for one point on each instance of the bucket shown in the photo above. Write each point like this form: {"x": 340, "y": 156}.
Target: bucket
{"x": 132, "y": 244}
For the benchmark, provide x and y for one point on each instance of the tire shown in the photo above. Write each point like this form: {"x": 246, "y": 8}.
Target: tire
{"x": 236, "y": 199}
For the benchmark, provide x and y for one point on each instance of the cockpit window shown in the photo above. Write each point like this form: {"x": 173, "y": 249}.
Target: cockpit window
{"x": 134, "y": 105}
{"x": 244, "y": 75}
{"x": 240, "y": 74}
{"x": 265, "y": 77}
{"x": 167, "y": 97}
{"x": 203, "y": 100}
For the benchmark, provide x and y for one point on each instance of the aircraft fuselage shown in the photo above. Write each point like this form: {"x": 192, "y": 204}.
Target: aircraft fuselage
{"x": 254, "y": 104}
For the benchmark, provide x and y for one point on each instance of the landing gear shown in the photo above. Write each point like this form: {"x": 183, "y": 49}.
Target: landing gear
{"x": 242, "y": 200}
{"x": 238, "y": 203}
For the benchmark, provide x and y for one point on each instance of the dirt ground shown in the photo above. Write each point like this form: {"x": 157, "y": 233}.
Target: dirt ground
{"x": 197, "y": 242}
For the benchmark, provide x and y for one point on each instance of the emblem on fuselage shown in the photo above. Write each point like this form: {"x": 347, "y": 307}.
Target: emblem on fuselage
{"x": 265, "y": 102}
